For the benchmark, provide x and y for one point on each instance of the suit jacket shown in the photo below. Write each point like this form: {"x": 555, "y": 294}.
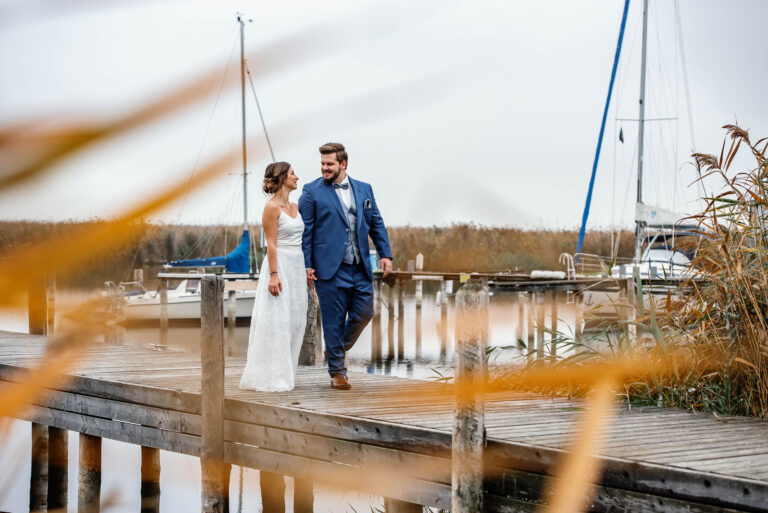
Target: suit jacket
{"x": 326, "y": 225}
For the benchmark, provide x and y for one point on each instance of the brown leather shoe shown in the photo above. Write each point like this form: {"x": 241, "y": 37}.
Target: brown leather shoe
{"x": 339, "y": 381}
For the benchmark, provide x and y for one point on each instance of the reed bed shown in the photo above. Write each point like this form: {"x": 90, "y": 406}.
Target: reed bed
{"x": 723, "y": 322}
{"x": 460, "y": 247}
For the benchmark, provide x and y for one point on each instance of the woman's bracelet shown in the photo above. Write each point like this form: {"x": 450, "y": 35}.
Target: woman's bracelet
{"x": 273, "y": 272}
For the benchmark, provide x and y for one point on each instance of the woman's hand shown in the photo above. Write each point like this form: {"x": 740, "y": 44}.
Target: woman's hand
{"x": 275, "y": 286}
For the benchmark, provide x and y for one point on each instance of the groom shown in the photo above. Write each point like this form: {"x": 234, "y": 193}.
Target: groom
{"x": 339, "y": 215}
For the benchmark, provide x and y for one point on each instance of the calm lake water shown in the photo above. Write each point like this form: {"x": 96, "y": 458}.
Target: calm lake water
{"x": 180, "y": 476}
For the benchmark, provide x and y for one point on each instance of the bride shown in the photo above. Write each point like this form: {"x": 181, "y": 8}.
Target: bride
{"x": 280, "y": 308}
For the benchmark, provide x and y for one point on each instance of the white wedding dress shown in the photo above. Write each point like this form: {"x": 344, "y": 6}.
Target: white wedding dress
{"x": 277, "y": 323}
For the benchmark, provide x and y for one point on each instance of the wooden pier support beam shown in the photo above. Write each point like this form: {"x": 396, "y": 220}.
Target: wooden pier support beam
{"x": 554, "y": 325}
{"x": 443, "y": 318}
{"x": 215, "y": 488}
{"x": 531, "y": 331}
{"x": 231, "y": 320}
{"x": 272, "y": 492}
{"x": 58, "y": 459}
{"x": 303, "y": 496}
{"x": 400, "y": 320}
{"x": 164, "y": 313}
{"x": 89, "y": 475}
{"x": 522, "y": 298}
{"x": 38, "y": 479}
{"x": 419, "y": 294}
{"x": 150, "y": 480}
{"x": 376, "y": 322}
{"x": 540, "y": 324}
{"x": 37, "y": 308}
{"x": 396, "y": 506}
{"x": 312, "y": 346}
{"x": 391, "y": 321}
{"x": 469, "y": 410}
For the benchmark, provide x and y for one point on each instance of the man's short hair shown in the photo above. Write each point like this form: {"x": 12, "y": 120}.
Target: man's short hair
{"x": 337, "y": 148}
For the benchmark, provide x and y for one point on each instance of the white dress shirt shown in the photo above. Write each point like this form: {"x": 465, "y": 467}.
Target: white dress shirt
{"x": 345, "y": 195}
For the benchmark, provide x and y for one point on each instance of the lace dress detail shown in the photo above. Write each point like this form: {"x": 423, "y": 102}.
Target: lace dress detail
{"x": 277, "y": 323}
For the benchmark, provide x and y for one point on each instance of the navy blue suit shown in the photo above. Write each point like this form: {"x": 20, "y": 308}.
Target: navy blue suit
{"x": 345, "y": 291}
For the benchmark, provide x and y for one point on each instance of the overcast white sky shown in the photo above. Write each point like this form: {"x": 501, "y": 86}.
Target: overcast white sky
{"x": 457, "y": 111}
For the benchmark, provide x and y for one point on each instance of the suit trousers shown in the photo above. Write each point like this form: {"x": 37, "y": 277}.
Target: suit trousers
{"x": 346, "y": 308}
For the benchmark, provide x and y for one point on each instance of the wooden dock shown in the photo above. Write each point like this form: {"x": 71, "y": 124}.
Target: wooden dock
{"x": 382, "y": 438}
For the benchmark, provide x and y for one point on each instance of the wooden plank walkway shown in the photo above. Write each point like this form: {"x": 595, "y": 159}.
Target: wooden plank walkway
{"x": 382, "y": 438}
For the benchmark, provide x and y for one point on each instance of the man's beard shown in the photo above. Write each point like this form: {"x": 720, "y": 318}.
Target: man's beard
{"x": 330, "y": 180}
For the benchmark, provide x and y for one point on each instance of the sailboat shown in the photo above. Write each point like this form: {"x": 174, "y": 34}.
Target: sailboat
{"x": 184, "y": 299}
{"x": 657, "y": 255}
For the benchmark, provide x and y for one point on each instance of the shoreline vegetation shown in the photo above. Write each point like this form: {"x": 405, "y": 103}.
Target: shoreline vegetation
{"x": 460, "y": 247}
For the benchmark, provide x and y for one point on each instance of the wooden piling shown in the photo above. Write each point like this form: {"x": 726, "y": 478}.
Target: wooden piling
{"x": 396, "y": 506}
{"x": 540, "y": 325}
{"x": 553, "y": 341}
{"x": 469, "y": 411}
{"x": 272, "y": 492}
{"x": 231, "y": 320}
{"x": 531, "y": 328}
{"x": 89, "y": 480}
{"x": 38, "y": 479}
{"x": 391, "y": 321}
{"x": 522, "y": 298}
{"x": 58, "y": 457}
{"x": 400, "y": 320}
{"x": 418, "y": 295}
{"x": 443, "y": 319}
{"x": 37, "y": 308}
{"x": 303, "y": 496}
{"x": 376, "y": 322}
{"x": 215, "y": 472}
{"x": 50, "y": 294}
{"x": 150, "y": 480}
{"x": 311, "y": 347}
{"x": 164, "y": 313}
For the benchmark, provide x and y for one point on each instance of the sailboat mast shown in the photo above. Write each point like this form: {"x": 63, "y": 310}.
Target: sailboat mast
{"x": 641, "y": 135}
{"x": 242, "y": 98}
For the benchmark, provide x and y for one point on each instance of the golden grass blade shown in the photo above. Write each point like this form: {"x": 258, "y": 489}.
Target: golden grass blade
{"x": 572, "y": 490}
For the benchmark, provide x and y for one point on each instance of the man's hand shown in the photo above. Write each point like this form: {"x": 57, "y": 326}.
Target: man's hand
{"x": 311, "y": 278}
{"x": 386, "y": 266}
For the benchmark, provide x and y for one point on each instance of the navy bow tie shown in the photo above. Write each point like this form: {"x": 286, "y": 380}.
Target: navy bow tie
{"x": 341, "y": 185}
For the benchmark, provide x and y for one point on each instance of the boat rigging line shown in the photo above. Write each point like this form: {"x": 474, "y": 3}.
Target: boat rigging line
{"x": 261, "y": 117}
{"x": 585, "y": 215}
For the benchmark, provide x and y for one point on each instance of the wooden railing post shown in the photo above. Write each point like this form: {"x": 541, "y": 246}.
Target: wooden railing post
{"x": 531, "y": 330}
{"x": 419, "y": 293}
{"x": 311, "y": 345}
{"x": 58, "y": 458}
{"x": 469, "y": 410}
{"x": 38, "y": 479}
{"x": 150, "y": 480}
{"x": 89, "y": 481}
{"x": 215, "y": 472}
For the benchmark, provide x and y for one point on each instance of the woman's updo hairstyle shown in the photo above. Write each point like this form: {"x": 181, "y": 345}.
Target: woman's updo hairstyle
{"x": 274, "y": 176}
